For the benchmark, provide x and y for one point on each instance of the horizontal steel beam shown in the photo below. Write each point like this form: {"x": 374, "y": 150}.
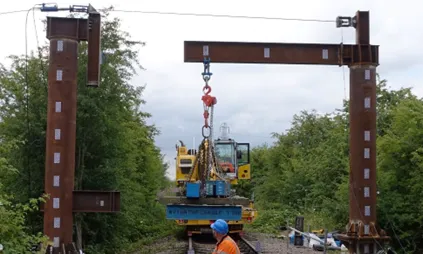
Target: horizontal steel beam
{"x": 70, "y": 28}
{"x": 280, "y": 53}
{"x": 203, "y": 212}
{"x": 94, "y": 201}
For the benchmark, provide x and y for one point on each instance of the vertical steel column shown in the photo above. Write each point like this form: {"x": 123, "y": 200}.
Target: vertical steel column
{"x": 60, "y": 136}
{"x": 363, "y": 235}
{"x": 64, "y": 35}
{"x": 362, "y": 110}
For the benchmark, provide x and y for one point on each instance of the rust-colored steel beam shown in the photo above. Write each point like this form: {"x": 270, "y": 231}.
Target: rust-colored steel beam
{"x": 67, "y": 28}
{"x": 94, "y": 201}
{"x": 64, "y": 35}
{"x": 363, "y": 236}
{"x": 280, "y": 53}
{"x": 94, "y": 48}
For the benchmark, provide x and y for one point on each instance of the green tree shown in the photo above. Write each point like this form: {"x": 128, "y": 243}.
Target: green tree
{"x": 400, "y": 176}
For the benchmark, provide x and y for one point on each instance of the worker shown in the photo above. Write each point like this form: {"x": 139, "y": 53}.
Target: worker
{"x": 225, "y": 244}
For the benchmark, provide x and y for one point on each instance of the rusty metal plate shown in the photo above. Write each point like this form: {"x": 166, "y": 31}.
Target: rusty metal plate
{"x": 94, "y": 49}
{"x": 96, "y": 201}
{"x": 69, "y": 28}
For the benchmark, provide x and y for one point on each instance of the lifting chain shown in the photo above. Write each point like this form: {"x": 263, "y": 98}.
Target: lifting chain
{"x": 208, "y": 101}
{"x": 206, "y": 158}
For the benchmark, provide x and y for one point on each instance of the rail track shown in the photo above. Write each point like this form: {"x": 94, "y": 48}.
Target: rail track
{"x": 205, "y": 245}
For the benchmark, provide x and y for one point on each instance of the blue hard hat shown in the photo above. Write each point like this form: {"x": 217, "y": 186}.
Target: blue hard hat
{"x": 220, "y": 226}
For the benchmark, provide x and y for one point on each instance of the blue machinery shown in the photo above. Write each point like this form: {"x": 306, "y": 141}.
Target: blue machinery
{"x": 205, "y": 212}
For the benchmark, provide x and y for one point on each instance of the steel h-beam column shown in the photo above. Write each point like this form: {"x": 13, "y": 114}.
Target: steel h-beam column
{"x": 61, "y": 131}
{"x": 362, "y": 235}
{"x": 64, "y": 35}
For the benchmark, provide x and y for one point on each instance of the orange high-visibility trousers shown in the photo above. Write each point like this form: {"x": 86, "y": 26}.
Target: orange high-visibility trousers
{"x": 226, "y": 246}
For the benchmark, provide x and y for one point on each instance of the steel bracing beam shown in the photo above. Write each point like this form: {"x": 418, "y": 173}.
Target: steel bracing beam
{"x": 362, "y": 236}
{"x": 94, "y": 201}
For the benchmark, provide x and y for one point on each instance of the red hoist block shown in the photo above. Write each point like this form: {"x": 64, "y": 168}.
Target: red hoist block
{"x": 209, "y": 100}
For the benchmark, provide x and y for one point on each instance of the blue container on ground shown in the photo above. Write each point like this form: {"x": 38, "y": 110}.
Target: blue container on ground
{"x": 193, "y": 190}
{"x": 222, "y": 188}
{"x": 210, "y": 188}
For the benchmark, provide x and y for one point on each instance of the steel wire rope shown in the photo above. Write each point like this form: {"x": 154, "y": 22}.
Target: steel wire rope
{"x": 201, "y": 15}
{"x": 12, "y": 12}
{"x": 225, "y": 16}
{"x": 26, "y": 78}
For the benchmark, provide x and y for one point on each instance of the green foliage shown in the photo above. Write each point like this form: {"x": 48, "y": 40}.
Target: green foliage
{"x": 400, "y": 175}
{"x": 306, "y": 171}
{"x": 13, "y": 231}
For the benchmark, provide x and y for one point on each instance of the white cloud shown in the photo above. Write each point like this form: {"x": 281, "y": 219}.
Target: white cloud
{"x": 255, "y": 100}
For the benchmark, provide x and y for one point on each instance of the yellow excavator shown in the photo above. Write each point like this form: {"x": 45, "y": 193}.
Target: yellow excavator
{"x": 205, "y": 177}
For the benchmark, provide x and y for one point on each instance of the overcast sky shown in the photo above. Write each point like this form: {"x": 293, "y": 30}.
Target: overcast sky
{"x": 254, "y": 100}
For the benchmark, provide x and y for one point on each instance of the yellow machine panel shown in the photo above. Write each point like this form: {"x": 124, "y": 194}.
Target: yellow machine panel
{"x": 232, "y": 160}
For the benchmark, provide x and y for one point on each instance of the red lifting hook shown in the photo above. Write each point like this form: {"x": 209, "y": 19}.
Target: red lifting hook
{"x": 208, "y": 88}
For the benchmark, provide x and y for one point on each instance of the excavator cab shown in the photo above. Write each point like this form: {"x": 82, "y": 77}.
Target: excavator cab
{"x": 232, "y": 157}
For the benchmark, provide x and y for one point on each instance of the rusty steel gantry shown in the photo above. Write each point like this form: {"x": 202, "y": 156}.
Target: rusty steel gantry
{"x": 64, "y": 35}
{"x": 362, "y": 58}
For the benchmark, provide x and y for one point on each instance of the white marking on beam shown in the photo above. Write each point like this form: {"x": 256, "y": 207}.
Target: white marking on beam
{"x": 366, "y": 153}
{"x": 56, "y": 181}
{"x": 205, "y": 50}
{"x": 366, "y": 135}
{"x": 325, "y": 54}
{"x": 58, "y": 106}
{"x": 367, "y": 210}
{"x": 56, "y": 203}
{"x": 59, "y": 45}
{"x": 59, "y": 75}
{"x": 367, "y": 102}
{"x": 366, "y": 229}
{"x": 56, "y": 242}
{"x": 367, "y": 74}
{"x": 56, "y": 158}
{"x": 366, "y": 192}
{"x": 57, "y": 134}
{"x": 366, "y": 173}
{"x": 266, "y": 52}
{"x": 56, "y": 222}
